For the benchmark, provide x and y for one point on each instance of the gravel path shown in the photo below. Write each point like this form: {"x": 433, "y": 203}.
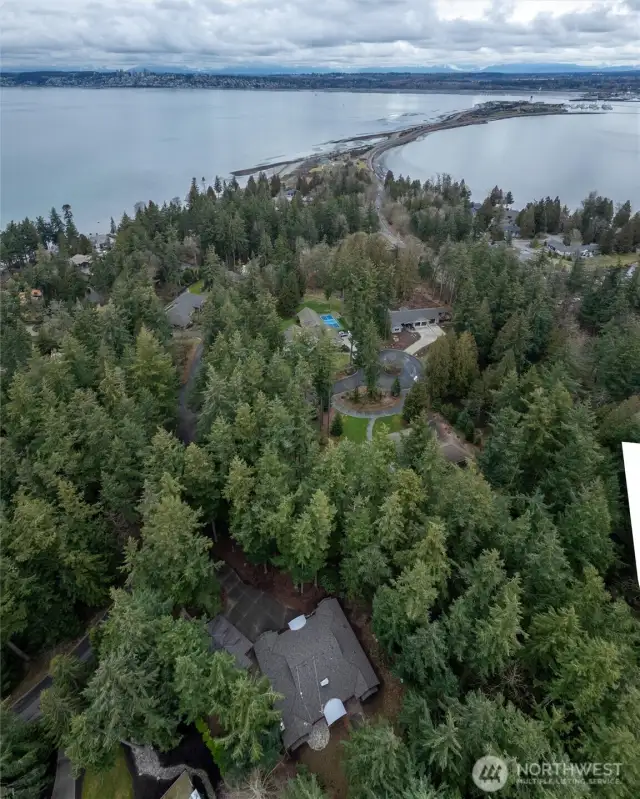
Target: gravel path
{"x": 372, "y": 421}
{"x": 148, "y": 764}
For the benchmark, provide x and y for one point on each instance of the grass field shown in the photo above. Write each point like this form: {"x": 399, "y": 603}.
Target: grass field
{"x": 388, "y": 424}
{"x": 341, "y": 361}
{"x": 113, "y": 784}
{"x": 354, "y": 429}
{"x": 624, "y": 259}
{"x": 197, "y": 288}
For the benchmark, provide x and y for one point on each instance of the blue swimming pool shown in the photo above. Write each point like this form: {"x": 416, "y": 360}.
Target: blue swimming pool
{"x": 328, "y": 319}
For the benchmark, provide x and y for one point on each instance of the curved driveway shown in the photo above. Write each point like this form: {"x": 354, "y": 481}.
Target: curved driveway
{"x": 410, "y": 370}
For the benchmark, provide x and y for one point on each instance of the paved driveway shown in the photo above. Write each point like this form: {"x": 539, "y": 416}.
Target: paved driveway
{"x": 410, "y": 369}
{"x": 427, "y": 336}
{"x": 28, "y": 705}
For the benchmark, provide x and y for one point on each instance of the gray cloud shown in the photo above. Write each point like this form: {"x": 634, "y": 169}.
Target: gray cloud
{"x": 308, "y": 33}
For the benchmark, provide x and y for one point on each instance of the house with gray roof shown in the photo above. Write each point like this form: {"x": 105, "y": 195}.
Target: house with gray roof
{"x": 308, "y": 318}
{"x": 508, "y": 224}
{"x": 319, "y": 667}
{"x": 555, "y": 244}
{"x": 82, "y": 264}
{"x": 415, "y": 318}
{"x": 180, "y": 311}
{"x": 311, "y": 321}
{"x": 80, "y": 259}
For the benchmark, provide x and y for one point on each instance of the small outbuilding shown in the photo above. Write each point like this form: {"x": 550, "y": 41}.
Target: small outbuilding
{"x": 225, "y": 637}
{"x": 182, "y": 788}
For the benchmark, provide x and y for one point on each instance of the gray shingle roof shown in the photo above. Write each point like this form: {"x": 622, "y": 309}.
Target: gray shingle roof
{"x": 557, "y": 244}
{"x": 309, "y": 318}
{"x": 407, "y": 316}
{"x": 182, "y": 308}
{"x": 297, "y": 661}
{"x": 224, "y": 636}
{"x": 80, "y": 260}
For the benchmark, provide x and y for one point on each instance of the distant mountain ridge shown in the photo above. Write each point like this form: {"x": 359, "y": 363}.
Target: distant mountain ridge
{"x": 249, "y": 70}
{"x": 554, "y": 69}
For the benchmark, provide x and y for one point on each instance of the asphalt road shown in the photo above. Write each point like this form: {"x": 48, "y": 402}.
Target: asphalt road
{"x": 28, "y": 705}
{"x": 411, "y": 368}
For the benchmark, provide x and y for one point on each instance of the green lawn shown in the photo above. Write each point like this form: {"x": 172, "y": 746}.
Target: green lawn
{"x": 388, "y": 424}
{"x": 113, "y": 784}
{"x": 318, "y": 304}
{"x": 624, "y": 258}
{"x": 342, "y": 360}
{"x": 354, "y": 428}
{"x": 197, "y": 288}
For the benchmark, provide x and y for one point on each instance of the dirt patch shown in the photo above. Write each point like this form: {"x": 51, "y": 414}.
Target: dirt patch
{"x": 383, "y": 403}
{"x": 400, "y": 341}
{"x": 273, "y": 582}
{"x": 188, "y": 349}
{"x": 327, "y": 765}
{"x": 387, "y": 701}
{"x": 422, "y": 297}
{"x": 447, "y": 435}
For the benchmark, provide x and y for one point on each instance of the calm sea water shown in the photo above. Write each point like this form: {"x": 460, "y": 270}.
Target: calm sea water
{"x": 103, "y": 151}
{"x": 565, "y": 156}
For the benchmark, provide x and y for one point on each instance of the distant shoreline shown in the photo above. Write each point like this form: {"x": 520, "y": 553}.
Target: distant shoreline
{"x": 606, "y": 85}
{"x": 478, "y": 115}
{"x": 324, "y": 90}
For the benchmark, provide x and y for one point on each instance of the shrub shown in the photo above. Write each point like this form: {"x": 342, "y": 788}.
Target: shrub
{"x": 449, "y": 412}
{"x": 417, "y": 401}
{"x": 465, "y": 424}
{"x": 337, "y": 426}
{"x": 395, "y": 388}
{"x": 329, "y": 579}
{"x": 188, "y": 277}
{"x": 220, "y": 757}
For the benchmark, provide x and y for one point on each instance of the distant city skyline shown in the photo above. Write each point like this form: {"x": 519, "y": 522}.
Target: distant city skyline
{"x": 301, "y": 35}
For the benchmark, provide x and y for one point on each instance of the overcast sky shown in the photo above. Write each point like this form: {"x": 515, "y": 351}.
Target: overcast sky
{"x": 340, "y": 34}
